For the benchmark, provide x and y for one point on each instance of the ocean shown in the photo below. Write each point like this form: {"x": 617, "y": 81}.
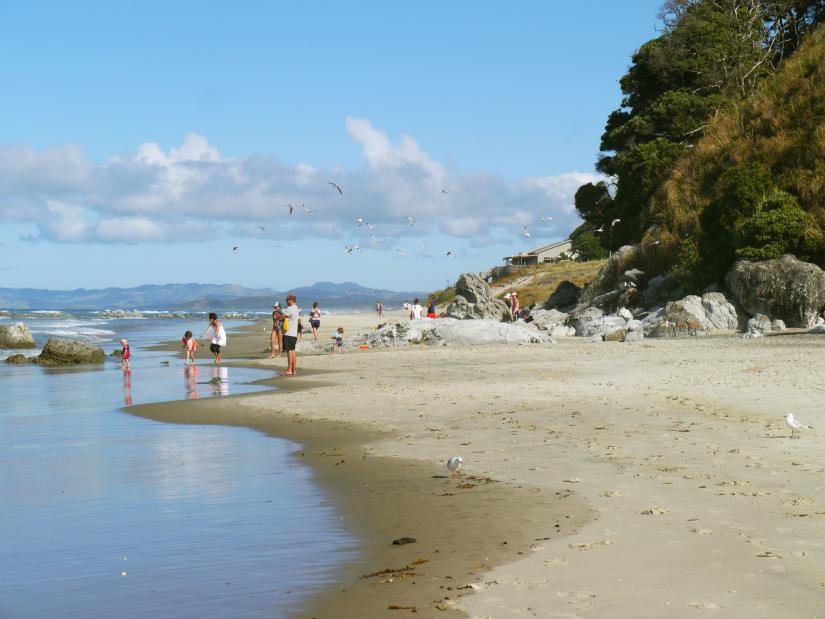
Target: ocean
{"x": 105, "y": 514}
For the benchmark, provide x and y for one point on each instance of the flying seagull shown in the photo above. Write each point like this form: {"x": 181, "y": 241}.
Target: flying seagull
{"x": 337, "y": 186}
{"x": 370, "y": 226}
{"x": 351, "y": 249}
{"x": 411, "y": 220}
{"x": 403, "y": 254}
{"x": 261, "y": 228}
{"x": 795, "y": 425}
{"x": 422, "y": 247}
{"x": 600, "y": 229}
{"x": 443, "y": 191}
{"x": 291, "y": 208}
{"x": 375, "y": 240}
{"x": 454, "y": 463}
{"x": 614, "y": 222}
{"x": 547, "y": 219}
{"x": 359, "y": 222}
{"x": 525, "y": 232}
{"x": 451, "y": 253}
{"x": 308, "y": 211}
{"x": 235, "y": 249}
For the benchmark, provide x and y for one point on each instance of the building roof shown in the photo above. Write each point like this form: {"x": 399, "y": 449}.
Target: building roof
{"x": 543, "y": 248}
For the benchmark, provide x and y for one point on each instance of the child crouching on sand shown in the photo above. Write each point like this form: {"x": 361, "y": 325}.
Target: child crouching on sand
{"x": 338, "y": 346}
{"x": 190, "y": 347}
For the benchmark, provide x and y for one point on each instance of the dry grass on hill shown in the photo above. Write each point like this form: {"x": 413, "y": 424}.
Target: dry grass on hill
{"x": 536, "y": 283}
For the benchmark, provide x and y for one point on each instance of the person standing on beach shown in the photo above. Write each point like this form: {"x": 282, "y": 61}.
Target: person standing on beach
{"x": 291, "y": 315}
{"x": 218, "y": 336}
{"x": 415, "y": 310}
{"x": 276, "y": 336}
{"x": 516, "y": 305}
{"x": 125, "y": 355}
{"x": 315, "y": 319}
{"x": 379, "y": 308}
{"x": 431, "y": 307}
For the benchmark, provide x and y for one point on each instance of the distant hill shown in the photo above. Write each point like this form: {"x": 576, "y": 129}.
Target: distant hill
{"x": 196, "y": 296}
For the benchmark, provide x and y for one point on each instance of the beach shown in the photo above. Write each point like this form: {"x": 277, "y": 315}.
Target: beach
{"x": 600, "y": 479}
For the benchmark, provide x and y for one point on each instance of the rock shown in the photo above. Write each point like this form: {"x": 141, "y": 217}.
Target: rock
{"x": 817, "y": 329}
{"x": 635, "y": 325}
{"x": 562, "y": 331}
{"x": 592, "y": 321}
{"x": 778, "y": 325}
{"x": 710, "y": 312}
{"x": 610, "y": 276}
{"x": 819, "y": 320}
{"x": 118, "y": 352}
{"x": 786, "y": 289}
{"x": 402, "y": 541}
{"x": 625, "y": 313}
{"x": 564, "y": 297}
{"x": 18, "y": 359}
{"x": 16, "y": 335}
{"x": 450, "y": 331}
{"x": 634, "y": 336}
{"x": 759, "y": 324}
{"x": 59, "y": 351}
{"x": 474, "y": 301}
{"x": 615, "y": 334}
{"x": 546, "y": 320}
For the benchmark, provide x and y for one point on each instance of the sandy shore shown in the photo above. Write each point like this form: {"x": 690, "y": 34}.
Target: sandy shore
{"x": 660, "y": 474}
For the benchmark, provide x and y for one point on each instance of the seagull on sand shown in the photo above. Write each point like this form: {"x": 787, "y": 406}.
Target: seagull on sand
{"x": 337, "y": 186}
{"x": 411, "y": 220}
{"x": 291, "y": 208}
{"x": 525, "y": 232}
{"x": 454, "y": 463}
{"x": 795, "y": 425}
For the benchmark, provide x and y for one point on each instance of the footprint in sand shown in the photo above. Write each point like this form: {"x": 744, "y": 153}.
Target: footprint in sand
{"x": 703, "y": 605}
{"x": 591, "y": 545}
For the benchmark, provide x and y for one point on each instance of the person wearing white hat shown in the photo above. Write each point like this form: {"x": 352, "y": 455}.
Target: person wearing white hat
{"x": 276, "y": 336}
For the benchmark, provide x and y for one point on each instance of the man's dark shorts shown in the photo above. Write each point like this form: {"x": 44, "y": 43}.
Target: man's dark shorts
{"x": 289, "y": 342}
{"x": 215, "y": 348}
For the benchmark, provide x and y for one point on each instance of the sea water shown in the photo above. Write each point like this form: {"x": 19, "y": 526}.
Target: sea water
{"x": 104, "y": 514}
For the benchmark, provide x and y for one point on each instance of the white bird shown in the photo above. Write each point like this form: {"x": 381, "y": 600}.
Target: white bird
{"x": 422, "y": 247}
{"x": 454, "y": 463}
{"x": 600, "y": 229}
{"x": 370, "y": 226}
{"x": 337, "y": 186}
{"x": 614, "y": 222}
{"x": 443, "y": 191}
{"x": 547, "y": 219}
{"x": 795, "y": 425}
{"x": 403, "y": 254}
{"x": 375, "y": 240}
{"x": 359, "y": 222}
{"x": 261, "y": 228}
{"x": 411, "y": 220}
{"x": 291, "y": 208}
{"x": 235, "y": 249}
{"x": 308, "y": 211}
{"x": 525, "y": 232}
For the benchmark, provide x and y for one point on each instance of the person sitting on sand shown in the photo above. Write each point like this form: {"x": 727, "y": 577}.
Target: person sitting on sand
{"x": 315, "y": 319}
{"x": 190, "y": 347}
{"x": 291, "y": 315}
{"x": 126, "y": 355}
{"x": 338, "y": 345}
{"x": 276, "y": 336}
{"x": 218, "y": 337}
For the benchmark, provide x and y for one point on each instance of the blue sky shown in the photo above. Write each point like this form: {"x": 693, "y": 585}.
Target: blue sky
{"x": 142, "y": 141}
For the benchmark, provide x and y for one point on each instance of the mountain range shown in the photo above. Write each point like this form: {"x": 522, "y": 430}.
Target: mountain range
{"x": 346, "y": 295}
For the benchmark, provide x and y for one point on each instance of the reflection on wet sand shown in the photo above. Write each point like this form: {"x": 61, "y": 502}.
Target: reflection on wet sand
{"x": 190, "y": 375}
{"x": 127, "y": 387}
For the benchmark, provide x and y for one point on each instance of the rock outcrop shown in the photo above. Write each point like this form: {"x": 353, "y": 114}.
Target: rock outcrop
{"x": 474, "y": 301}
{"x": 449, "y": 331}
{"x": 18, "y": 359}
{"x": 16, "y": 335}
{"x": 786, "y": 289}
{"x": 616, "y": 276}
{"x": 759, "y": 325}
{"x": 564, "y": 297}
{"x": 593, "y": 321}
{"x": 59, "y": 351}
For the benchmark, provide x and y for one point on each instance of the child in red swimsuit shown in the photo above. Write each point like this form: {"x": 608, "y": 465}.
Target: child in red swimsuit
{"x": 126, "y": 354}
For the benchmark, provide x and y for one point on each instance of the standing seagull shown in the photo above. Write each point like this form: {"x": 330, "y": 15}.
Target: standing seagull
{"x": 795, "y": 425}
{"x": 525, "y": 232}
{"x": 454, "y": 463}
{"x": 337, "y": 186}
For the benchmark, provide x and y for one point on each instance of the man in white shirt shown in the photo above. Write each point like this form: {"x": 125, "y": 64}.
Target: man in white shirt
{"x": 415, "y": 314}
{"x": 292, "y": 313}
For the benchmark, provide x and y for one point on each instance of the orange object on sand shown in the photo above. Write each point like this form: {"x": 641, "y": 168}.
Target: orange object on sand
{"x": 363, "y": 347}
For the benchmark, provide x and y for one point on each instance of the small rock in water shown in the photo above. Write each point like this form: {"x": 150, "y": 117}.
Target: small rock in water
{"x": 403, "y": 540}
{"x": 164, "y": 363}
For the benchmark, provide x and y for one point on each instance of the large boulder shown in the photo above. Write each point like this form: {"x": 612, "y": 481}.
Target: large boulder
{"x": 564, "y": 297}
{"x": 711, "y": 312}
{"x": 474, "y": 301}
{"x": 592, "y": 321}
{"x": 18, "y": 359}
{"x": 16, "y": 335}
{"x": 59, "y": 351}
{"x": 759, "y": 325}
{"x": 616, "y": 274}
{"x": 786, "y": 289}
{"x": 449, "y": 331}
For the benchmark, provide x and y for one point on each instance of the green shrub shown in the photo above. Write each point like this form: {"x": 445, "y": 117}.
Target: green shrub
{"x": 777, "y": 228}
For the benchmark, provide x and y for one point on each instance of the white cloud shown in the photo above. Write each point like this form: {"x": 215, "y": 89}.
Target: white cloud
{"x": 157, "y": 195}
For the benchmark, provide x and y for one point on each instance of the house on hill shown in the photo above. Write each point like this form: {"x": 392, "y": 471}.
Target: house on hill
{"x": 540, "y": 255}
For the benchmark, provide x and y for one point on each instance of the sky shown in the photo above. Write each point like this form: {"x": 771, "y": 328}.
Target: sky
{"x": 141, "y": 142}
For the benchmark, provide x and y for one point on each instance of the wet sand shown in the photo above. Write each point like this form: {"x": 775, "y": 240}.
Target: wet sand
{"x": 665, "y": 463}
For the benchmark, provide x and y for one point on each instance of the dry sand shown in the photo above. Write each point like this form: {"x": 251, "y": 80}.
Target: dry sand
{"x": 664, "y": 463}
